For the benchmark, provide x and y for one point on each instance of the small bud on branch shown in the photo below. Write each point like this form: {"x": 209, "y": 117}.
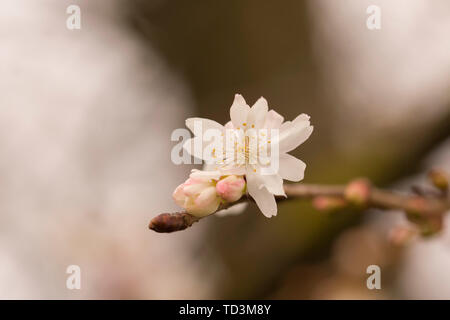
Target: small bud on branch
{"x": 357, "y": 192}
{"x": 170, "y": 222}
{"x": 425, "y": 211}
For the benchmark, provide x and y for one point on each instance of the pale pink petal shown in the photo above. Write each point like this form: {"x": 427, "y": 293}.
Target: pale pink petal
{"x": 285, "y": 125}
{"x": 211, "y": 175}
{"x": 233, "y": 210}
{"x": 291, "y": 168}
{"x": 257, "y": 113}
{"x": 194, "y": 188}
{"x": 239, "y": 171}
{"x": 273, "y": 120}
{"x": 239, "y": 111}
{"x": 210, "y": 166}
{"x": 179, "y": 196}
{"x": 274, "y": 184}
{"x": 206, "y": 203}
{"x": 229, "y": 125}
{"x": 296, "y": 138}
{"x": 231, "y": 188}
{"x": 263, "y": 198}
{"x": 295, "y": 133}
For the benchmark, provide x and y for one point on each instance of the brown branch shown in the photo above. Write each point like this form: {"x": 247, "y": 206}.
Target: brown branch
{"x": 358, "y": 193}
{"x": 376, "y": 198}
{"x": 177, "y": 221}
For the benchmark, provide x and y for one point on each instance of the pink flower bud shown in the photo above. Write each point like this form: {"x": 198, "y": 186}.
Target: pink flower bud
{"x": 231, "y": 188}
{"x": 358, "y": 192}
{"x": 197, "y": 196}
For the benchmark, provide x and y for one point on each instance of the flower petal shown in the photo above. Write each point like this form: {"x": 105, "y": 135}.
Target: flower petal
{"x": 229, "y": 125}
{"x": 206, "y": 203}
{"x": 233, "y": 210}
{"x": 231, "y": 188}
{"x": 263, "y": 198}
{"x": 211, "y": 175}
{"x": 238, "y": 171}
{"x": 205, "y": 124}
{"x": 210, "y": 166}
{"x": 239, "y": 111}
{"x": 273, "y": 120}
{"x": 191, "y": 189}
{"x": 274, "y": 184}
{"x": 295, "y": 133}
{"x": 291, "y": 168}
{"x": 285, "y": 125}
{"x": 257, "y": 113}
{"x": 179, "y": 196}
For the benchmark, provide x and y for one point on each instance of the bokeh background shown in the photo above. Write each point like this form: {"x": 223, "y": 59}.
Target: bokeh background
{"x": 85, "y": 124}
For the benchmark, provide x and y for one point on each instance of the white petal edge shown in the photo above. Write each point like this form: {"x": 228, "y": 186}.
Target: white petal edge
{"x": 263, "y": 198}
{"x": 233, "y": 210}
{"x": 274, "y": 184}
{"x": 229, "y": 125}
{"x": 208, "y": 208}
{"x": 212, "y": 175}
{"x": 257, "y": 113}
{"x": 209, "y": 167}
{"x": 273, "y": 120}
{"x": 239, "y": 111}
{"x": 291, "y": 168}
{"x": 285, "y": 125}
{"x": 296, "y": 138}
{"x": 298, "y": 121}
{"x": 295, "y": 133}
{"x": 238, "y": 171}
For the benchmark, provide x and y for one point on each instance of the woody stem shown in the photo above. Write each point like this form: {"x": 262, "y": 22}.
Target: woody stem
{"x": 358, "y": 192}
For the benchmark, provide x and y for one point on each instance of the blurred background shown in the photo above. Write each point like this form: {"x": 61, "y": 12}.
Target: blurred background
{"x": 85, "y": 123}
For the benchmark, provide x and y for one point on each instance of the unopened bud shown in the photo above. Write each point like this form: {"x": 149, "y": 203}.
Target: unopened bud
{"x": 198, "y": 196}
{"x": 358, "y": 192}
{"x": 231, "y": 188}
{"x": 170, "y": 222}
{"x": 439, "y": 178}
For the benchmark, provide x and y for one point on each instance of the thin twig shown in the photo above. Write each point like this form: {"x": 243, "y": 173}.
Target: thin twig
{"x": 358, "y": 192}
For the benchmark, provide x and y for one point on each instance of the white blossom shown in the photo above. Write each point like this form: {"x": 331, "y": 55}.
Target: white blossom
{"x": 249, "y": 126}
